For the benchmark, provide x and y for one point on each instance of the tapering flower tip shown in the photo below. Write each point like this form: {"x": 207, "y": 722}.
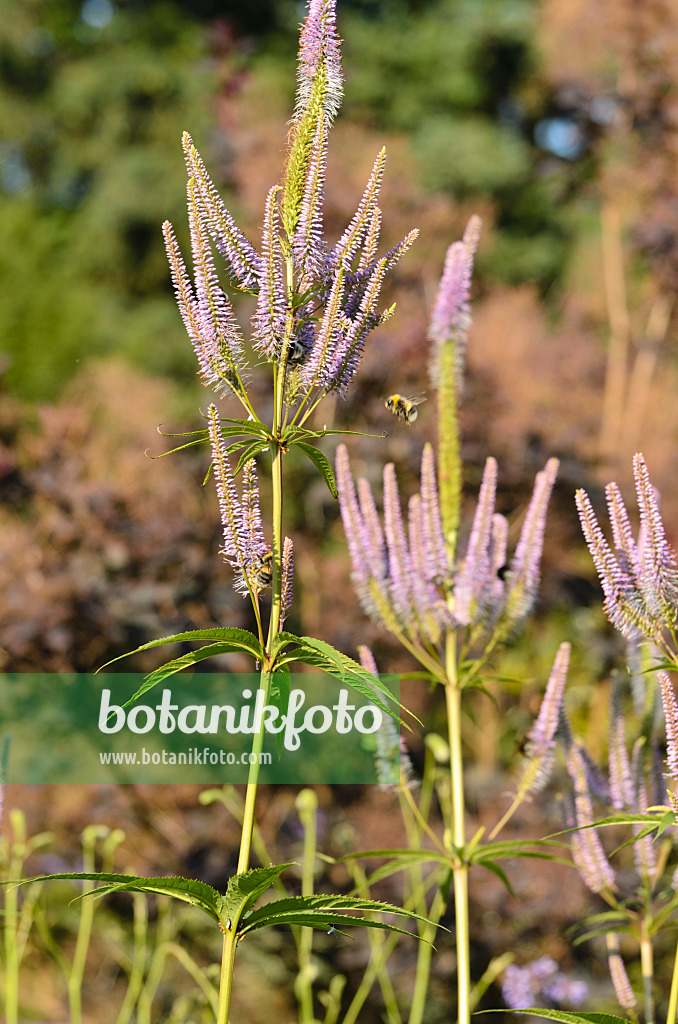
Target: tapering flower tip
{"x": 242, "y": 260}
{"x": 587, "y": 850}
{"x": 659, "y": 569}
{"x": 620, "y": 982}
{"x": 235, "y": 538}
{"x": 269, "y": 320}
{"x": 287, "y": 583}
{"x": 348, "y": 352}
{"x": 451, "y": 316}
{"x": 541, "y": 737}
{"x": 475, "y": 578}
{"x": 320, "y": 53}
{"x": 393, "y": 764}
{"x": 355, "y": 234}
{"x": 670, "y": 706}
{"x": 317, "y": 370}
{"x": 252, "y": 530}
{"x": 621, "y": 780}
{"x": 307, "y": 243}
{"x": 364, "y": 546}
{"x": 399, "y": 561}
{"x": 438, "y": 569}
{"x": 523, "y": 576}
{"x": 218, "y": 344}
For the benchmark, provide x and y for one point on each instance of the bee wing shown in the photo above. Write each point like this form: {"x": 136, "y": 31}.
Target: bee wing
{"x": 417, "y": 399}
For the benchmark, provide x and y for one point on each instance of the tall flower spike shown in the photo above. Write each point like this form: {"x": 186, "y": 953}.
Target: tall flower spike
{"x": 242, "y": 260}
{"x": 235, "y": 539}
{"x": 659, "y": 573}
{"x": 473, "y": 576}
{"x": 587, "y": 850}
{"x": 393, "y": 764}
{"x": 287, "y": 580}
{"x": 269, "y": 320}
{"x": 618, "y": 975}
{"x": 621, "y": 780}
{"x": 399, "y": 561}
{"x": 252, "y": 529}
{"x": 320, "y": 52}
{"x": 307, "y": 243}
{"x": 451, "y": 315}
{"x": 670, "y": 706}
{"x": 317, "y": 368}
{"x": 349, "y": 350}
{"x": 524, "y": 569}
{"x": 355, "y": 234}
{"x": 364, "y": 547}
{"x": 219, "y": 347}
{"x": 432, "y": 528}
{"x": 541, "y": 739}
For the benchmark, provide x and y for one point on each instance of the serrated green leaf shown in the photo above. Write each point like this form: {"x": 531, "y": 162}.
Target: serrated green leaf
{"x": 189, "y": 890}
{"x": 320, "y": 462}
{"x": 171, "y": 668}
{"x": 567, "y": 1017}
{"x": 227, "y": 634}
{"x": 320, "y": 911}
{"x": 244, "y": 889}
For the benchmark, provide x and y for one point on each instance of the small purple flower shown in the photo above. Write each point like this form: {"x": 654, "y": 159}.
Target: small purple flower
{"x": 539, "y": 983}
{"x": 287, "y": 584}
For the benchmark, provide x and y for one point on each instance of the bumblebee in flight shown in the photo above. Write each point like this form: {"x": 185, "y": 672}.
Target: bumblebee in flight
{"x": 405, "y": 408}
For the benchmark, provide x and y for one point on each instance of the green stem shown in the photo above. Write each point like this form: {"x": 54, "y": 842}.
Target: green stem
{"x": 307, "y": 806}
{"x": 424, "y": 955}
{"x": 647, "y": 967}
{"x": 230, "y": 935}
{"x": 672, "y": 1014}
{"x": 460, "y": 872}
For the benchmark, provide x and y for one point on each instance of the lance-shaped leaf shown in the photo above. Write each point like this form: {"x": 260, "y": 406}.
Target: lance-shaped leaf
{"x": 239, "y": 639}
{"x": 322, "y": 912}
{"x": 569, "y": 1017}
{"x": 189, "y": 890}
{"x": 321, "y": 463}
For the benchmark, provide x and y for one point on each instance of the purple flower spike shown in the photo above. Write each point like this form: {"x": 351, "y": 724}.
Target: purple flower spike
{"x": 621, "y": 780}
{"x": 399, "y": 561}
{"x": 320, "y": 51}
{"x": 659, "y": 572}
{"x": 235, "y": 538}
{"x": 243, "y": 261}
{"x": 244, "y": 543}
{"x": 317, "y": 368}
{"x": 587, "y": 850}
{"x": 473, "y": 578}
{"x": 364, "y": 545}
{"x": 307, "y": 244}
{"x": 362, "y": 220}
{"x": 618, "y": 975}
{"x": 432, "y": 528}
{"x": 255, "y": 542}
{"x": 287, "y": 582}
{"x": 451, "y": 315}
{"x": 670, "y": 706}
{"x": 269, "y": 321}
{"x": 541, "y": 738}
{"x": 524, "y": 569}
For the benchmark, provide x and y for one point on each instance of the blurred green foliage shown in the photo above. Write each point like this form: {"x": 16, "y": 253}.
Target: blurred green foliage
{"x": 89, "y": 166}
{"x": 93, "y": 99}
